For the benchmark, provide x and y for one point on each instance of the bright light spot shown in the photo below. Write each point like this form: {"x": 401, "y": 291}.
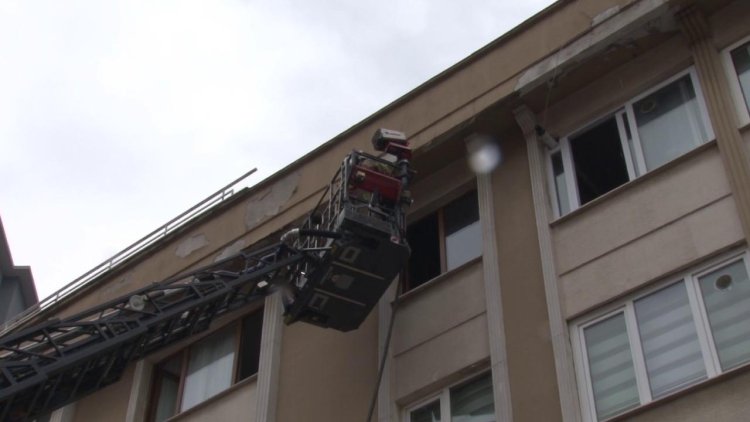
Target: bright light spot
{"x": 484, "y": 154}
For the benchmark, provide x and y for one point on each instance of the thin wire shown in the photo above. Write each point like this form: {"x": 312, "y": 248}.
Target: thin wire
{"x": 550, "y": 84}
{"x": 382, "y": 360}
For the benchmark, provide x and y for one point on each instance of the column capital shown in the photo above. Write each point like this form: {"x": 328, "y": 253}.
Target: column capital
{"x": 693, "y": 23}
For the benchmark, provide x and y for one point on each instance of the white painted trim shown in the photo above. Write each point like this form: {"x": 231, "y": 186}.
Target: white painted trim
{"x": 443, "y": 397}
{"x": 636, "y": 354}
{"x": 636, "y": 165}
{"x": 493, "y": 301}
{"x": 625, "y": 144}
{"x": 139, "y": 391}
{"x": 738, "y": 98}
{"x": 689, "y": 278}
{"x": 270, "y": 358}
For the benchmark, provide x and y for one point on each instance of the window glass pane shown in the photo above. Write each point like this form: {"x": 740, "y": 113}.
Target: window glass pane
{"x": 428, "y": 413}
{"x": 167, "y": 399}
{"x": 669, "y": 122}
{"x": 598, "y": 160}
{"x": 463, "y": 245}
{"x": 611, "y": 367}
{"x": 463, "y": 234}
{"x": 558, "y": 173}
{"x": 209, "y": 368}
{"x": 741, "y": 60}
{"x": 726, "y": 294}
{"x": 473, "y": 401}
{"x": 669, "y": 340}
{"x": 167, "y": 381}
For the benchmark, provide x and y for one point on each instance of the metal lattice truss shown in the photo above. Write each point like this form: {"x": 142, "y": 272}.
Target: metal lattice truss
{"x": 59, "y": 361}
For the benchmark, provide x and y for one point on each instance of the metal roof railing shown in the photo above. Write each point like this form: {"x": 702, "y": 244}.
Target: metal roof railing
{"x": 113, "y": 262}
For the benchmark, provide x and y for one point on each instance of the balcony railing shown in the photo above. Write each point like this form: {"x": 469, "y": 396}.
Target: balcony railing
{"x": 116, "y": 260}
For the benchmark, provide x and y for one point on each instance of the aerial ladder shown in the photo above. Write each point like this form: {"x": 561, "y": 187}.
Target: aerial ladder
{"x": 331, "y": 271}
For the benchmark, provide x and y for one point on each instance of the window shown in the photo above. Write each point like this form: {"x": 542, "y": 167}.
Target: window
{"x": 664, "y": 340}
{"x": 467, "y": 402}
{"x": 645, "y": 133}
{"x": 206, "y": 368}
{"x": 737, "y": 57}
{"x": 444, "y": 240}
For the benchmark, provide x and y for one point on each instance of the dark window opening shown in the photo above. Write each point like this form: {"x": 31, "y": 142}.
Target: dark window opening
{"x": 598, "y": 160}
{"x": 252, "y": 327}
{"x": 424, "y": 241}
{"x": 444, "y": 240}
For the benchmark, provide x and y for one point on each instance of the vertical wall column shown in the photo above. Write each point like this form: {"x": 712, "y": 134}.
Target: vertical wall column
{"x": 139, "y": 390}
{"x": 270, "y": 357}
{"x": 493, "y": 298}
{"x": 566, "y": 378}
{"x": 715, "y": 87}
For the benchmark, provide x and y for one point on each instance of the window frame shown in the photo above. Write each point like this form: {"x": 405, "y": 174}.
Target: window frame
{"x": 626, "y": 306}
{"x": 738, "y": 98}
{"x": 233, "y": 329}
{"x": 439, "y": 211}
{"x": 635, "y": 161}
{"x": 444, "y": 397}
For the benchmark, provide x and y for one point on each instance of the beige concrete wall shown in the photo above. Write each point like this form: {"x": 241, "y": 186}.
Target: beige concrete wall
{"x": 729, "y": 24}
{"x": 107, "y": 404}
{"x": 723, "y": 400}
{"x": 603, "y": 249}
{"x": 531, "y": 367}
{"x": 439, "y": 330}
{"x": 680, "y": 215}
{"x": 235, "y": 405}
{"x": 327, "y": 375}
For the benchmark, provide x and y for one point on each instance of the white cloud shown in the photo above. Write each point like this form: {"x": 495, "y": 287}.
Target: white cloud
{"x": 116, "y": 116}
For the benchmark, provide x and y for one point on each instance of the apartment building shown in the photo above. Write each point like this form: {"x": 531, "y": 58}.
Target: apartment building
{"x": 599, "y": 272}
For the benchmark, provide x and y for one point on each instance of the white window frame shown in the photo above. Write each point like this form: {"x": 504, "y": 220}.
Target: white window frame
{"x": 743, "y": 114}
{"x": 444, "y": 398}
{"x": 634, "y": 159}
{"x": 626, "y": 306}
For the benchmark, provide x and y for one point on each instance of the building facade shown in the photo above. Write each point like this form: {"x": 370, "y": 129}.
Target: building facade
{"x": 600, "y": 272}
{"x": 17, "y": 290}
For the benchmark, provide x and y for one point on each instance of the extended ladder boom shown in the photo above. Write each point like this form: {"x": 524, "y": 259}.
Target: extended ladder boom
{"x": 59, "y": 361}
{"x": 332, "y": 270}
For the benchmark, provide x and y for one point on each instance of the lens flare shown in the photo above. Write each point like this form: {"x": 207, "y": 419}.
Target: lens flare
{"x": 484, "y": 154}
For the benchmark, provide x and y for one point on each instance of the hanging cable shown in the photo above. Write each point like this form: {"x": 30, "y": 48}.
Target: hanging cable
{"x": 394, "y": 306}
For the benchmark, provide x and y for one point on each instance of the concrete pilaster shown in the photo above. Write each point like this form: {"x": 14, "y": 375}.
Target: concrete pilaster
{"x": 563, "y": 355}
{"x": 715, "y": 88}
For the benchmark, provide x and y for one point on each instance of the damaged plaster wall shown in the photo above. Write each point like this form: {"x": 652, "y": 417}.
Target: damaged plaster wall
{"x": 190, "y": 245}
{"x": 606, "y": 28}
{"x": 270, "y": 201}
{"x": 232, "y": 249}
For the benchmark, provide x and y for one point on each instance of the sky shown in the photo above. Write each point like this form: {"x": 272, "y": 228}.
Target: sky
{"x": 116, "y": 116}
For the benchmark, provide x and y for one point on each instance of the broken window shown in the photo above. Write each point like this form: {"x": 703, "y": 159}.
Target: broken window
{"x": 647, "y": 132}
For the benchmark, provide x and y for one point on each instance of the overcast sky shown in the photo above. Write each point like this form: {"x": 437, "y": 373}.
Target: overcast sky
{"x": 117, "y": 116}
